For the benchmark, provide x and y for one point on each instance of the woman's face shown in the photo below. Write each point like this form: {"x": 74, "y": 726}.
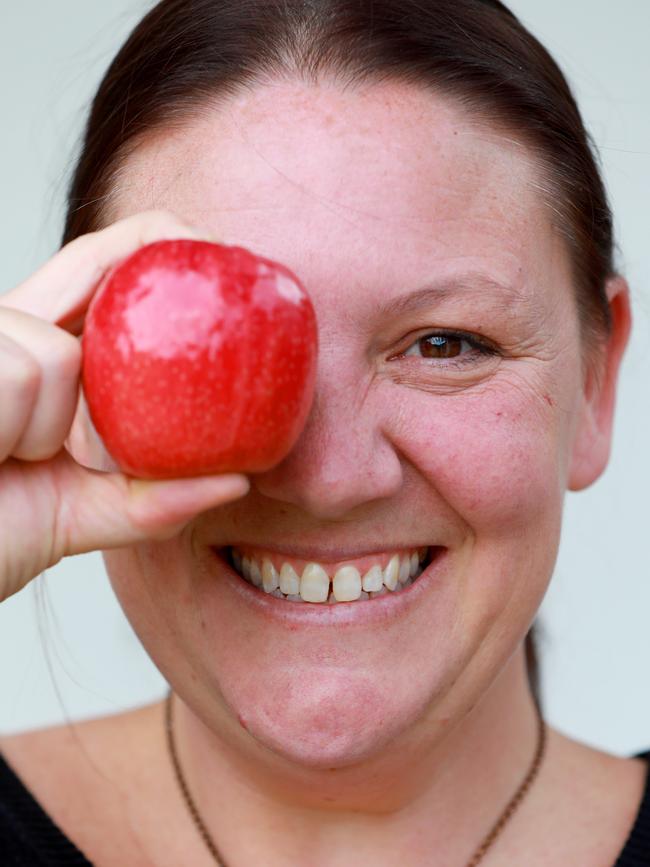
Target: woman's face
{"x": 403, "y": 219}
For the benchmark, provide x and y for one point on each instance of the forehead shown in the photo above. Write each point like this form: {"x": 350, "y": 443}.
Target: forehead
{"x": 377, "y": 184}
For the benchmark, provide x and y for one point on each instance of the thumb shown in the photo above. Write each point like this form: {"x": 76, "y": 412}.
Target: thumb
{"x": 115, "y": 510}
{"x": 56, "y": 508}
{"x": 162, "y": 508}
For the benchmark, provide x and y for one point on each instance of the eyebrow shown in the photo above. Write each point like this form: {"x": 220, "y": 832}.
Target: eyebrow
{"x": 471, "y": 285}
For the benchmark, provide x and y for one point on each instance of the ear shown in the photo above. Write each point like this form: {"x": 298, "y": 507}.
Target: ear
{"x": 593, "y": 433}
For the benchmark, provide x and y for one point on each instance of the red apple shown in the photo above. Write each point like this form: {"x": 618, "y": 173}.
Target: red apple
{"x": 199, "y": 358}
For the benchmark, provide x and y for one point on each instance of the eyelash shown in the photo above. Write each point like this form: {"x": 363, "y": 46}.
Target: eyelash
{"x": 478, "y": 348}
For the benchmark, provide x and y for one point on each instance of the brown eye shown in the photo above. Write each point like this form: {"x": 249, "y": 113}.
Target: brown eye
{"x": 441, "y": 346}
{"x": 447, "y": 345}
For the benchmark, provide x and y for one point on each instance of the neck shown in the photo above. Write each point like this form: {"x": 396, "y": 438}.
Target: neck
{"x": 442, "y": 786}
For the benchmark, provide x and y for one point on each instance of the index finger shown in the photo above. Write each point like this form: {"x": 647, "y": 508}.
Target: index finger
{"x": 61, "y": 290}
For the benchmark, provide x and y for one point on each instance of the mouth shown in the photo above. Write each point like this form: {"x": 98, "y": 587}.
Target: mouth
{"x": 360, "y": 579}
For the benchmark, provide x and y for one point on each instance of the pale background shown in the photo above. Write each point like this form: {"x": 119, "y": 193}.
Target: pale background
{"x": 86, "y": 660}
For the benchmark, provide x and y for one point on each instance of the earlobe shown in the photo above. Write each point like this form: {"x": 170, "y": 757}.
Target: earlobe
{"x": 593, "y": 434}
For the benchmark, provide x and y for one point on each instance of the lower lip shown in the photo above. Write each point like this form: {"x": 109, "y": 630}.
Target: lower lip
{"x": 363, "y": 612}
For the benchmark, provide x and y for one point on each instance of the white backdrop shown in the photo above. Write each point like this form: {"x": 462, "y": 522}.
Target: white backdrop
{"x": 86, "y": 660}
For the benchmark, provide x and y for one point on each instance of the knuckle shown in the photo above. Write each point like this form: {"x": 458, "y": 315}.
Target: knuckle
{"x": 64, "y": 354}
{"x": 22, "y": 371}
{"x": 81, "y": 245}
{"x": 37, "y": 451}
{"x": 83, "y": 255}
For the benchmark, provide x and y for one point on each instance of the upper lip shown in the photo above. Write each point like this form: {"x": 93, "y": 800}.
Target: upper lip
{"x": 330, "y": 554}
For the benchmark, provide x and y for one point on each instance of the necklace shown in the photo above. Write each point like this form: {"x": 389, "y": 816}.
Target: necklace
{"x": 478, "y": 856}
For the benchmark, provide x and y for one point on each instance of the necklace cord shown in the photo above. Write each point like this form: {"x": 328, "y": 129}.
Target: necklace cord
{"x": 476, "y": 858}
{"x": 184, "y": 788}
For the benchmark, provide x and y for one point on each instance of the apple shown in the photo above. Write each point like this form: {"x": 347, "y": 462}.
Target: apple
{"x": 199, "y": 358}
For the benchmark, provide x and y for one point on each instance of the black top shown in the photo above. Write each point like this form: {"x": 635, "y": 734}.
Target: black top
{"x": 29, "y": 838}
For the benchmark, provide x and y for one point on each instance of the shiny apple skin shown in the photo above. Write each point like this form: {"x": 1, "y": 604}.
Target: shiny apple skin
{"x": 199, "y": 358}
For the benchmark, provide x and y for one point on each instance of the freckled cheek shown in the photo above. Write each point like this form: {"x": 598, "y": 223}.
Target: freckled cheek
{"x": 496, "y": 463}
{"x": 491, "y": 460}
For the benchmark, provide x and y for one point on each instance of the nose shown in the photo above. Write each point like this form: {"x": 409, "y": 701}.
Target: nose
{"x": 343, "y": 458}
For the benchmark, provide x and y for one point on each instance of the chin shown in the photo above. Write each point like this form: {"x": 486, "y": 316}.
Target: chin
{"x": 333, "y": 721}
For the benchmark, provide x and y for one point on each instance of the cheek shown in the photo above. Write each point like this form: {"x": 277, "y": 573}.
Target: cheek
{"x": 496, "y": 460}
{"x": 496, "y": 456}
{"x": 151, "y": 586}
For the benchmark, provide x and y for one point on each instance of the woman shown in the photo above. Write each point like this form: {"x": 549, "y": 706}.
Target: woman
{"x": 426, "y": 173}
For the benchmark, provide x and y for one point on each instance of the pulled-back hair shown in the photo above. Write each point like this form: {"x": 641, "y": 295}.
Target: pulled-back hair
{"x": 186, "y": 54}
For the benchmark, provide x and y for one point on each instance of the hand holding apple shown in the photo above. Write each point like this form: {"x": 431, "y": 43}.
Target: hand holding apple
{"x": 51, "y": 505}
{"x": 199, "y": 358}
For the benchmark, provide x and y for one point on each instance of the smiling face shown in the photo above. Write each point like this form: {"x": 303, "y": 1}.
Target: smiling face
{"x": 446, "y": 410}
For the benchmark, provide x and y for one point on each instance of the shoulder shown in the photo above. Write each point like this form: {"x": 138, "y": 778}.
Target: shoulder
{"x": 27, "y": 833}
{"x": 65, "y": 776}
{"x": 598, "y": 777}
{"x": 112, "y": 738}
{"x": 584, "y": 805}
{"x": 57, "y": 761}
{"x": 637, "y": 846}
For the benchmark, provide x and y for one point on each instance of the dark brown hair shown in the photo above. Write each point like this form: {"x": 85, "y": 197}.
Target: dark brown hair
{"x": 188, "y": 53}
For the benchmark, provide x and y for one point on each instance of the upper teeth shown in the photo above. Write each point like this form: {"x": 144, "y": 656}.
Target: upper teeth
{"x": 313, "y": 585}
